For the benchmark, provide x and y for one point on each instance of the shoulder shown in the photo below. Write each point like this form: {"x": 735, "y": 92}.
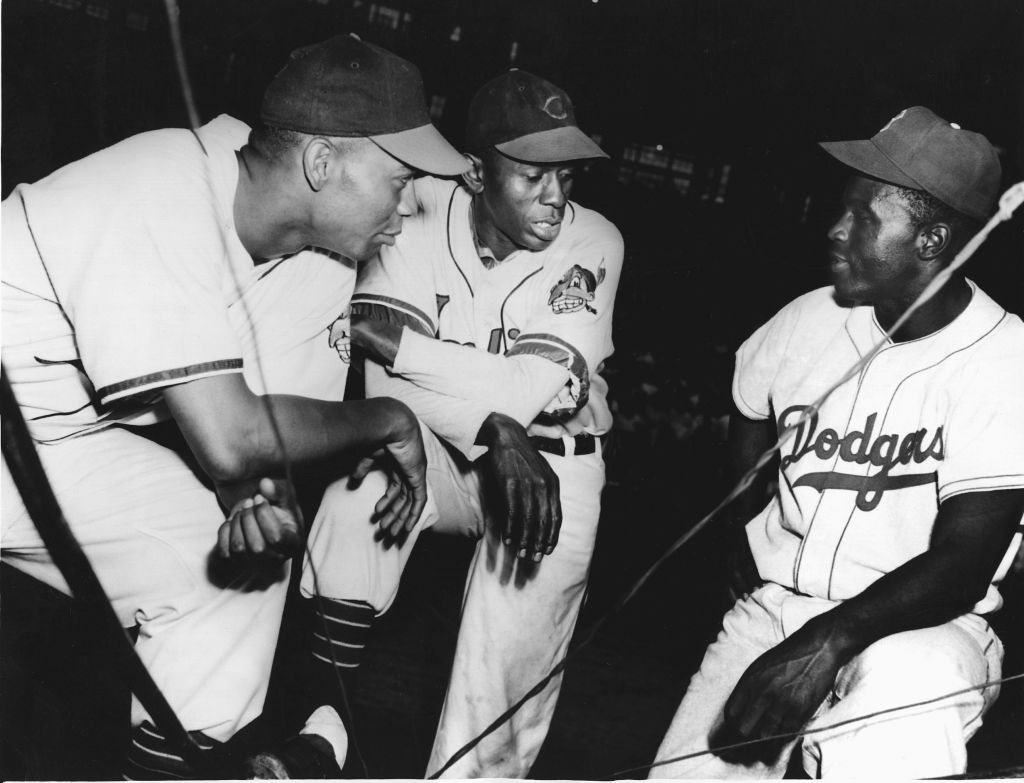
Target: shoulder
{"x": 818, "y": 308}
{"x": 156, "y": 160}
{"x": 583, "y": 225}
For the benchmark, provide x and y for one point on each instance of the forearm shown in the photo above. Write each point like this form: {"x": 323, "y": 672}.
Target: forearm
{"x": 303, "y": 430}
{"x": 970, "y": 538}
{"x": 237, "y": 435}
{"x": 927, "y": 591}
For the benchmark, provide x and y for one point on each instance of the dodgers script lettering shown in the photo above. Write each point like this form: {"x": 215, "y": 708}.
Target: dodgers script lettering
{"x": 884, "y": 451}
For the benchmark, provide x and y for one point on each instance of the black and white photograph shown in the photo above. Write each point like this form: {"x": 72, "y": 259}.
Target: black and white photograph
{"x": 511, "y": 389}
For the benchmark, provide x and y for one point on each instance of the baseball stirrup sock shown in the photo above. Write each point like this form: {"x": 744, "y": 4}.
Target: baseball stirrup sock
{"x": 152, "y": 757}
{"x": 342, "y": 630}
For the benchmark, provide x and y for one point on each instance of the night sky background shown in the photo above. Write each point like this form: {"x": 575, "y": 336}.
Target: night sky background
{"x": 748, "y": 84}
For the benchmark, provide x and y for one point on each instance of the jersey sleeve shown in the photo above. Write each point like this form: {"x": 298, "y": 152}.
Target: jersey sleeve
{"x": 572, "y": 326}
{"x": 453, "y": 419}
{"x": 982, "y": 444}
{"x": 518, "y": 386}
{"x": 398, "y": 287}
{"x": 758, "y": 361}
{"x": 140, "y": 273}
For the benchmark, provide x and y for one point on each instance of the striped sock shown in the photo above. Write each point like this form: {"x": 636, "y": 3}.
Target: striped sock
{"x": 152, "y": 757}
{"x": 340, "y": 630}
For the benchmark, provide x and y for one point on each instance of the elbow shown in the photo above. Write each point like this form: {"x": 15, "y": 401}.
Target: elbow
{"x": 224, "y": 463}
{"x": 233, "y": 454}
{"x": 974, "y": 592}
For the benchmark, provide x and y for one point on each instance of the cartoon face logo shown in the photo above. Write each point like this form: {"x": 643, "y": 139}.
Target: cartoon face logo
{"x": 339, "y": 335}
{"x": 575, "y": 291}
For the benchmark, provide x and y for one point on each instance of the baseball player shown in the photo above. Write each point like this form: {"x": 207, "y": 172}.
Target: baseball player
{"x": 896, "y": 500}
{"x": 172, "y": 275}
{"x": 490, "y": 317}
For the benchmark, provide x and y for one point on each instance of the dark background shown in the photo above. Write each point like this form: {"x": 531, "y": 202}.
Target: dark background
{"x": 711, "y": 111}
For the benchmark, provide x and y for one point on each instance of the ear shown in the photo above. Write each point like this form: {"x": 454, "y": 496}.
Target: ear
{"x": 317, "y": 160}
{"x": 474, "y": 178}
{"x": 933, "y": 241}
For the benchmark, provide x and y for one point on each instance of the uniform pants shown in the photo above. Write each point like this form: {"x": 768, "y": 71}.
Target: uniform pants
{"x": 148, "y": 527}
{"x": 913, "y": 666}
{"x": 517, "y": 618}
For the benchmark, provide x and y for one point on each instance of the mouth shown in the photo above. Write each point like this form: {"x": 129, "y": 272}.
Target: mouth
{"x": 837, "y": 261}
{"x": 388, "y": 239}
{"x": 547, "y": 229}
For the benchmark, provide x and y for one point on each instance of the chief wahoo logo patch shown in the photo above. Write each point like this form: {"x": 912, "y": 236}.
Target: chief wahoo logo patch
{"x": 575, "y": 291}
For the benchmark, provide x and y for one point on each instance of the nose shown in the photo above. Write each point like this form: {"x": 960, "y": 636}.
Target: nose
{"x": 407, "y": 201}
{"x": 840, "y": 230}
{"x": 554, "y": 194}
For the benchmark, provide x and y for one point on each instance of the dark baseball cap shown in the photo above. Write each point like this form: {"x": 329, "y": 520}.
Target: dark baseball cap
{"x": 527, "y": 118}
{"x": 346, "y": 87}
{"x": 920, "y": 150}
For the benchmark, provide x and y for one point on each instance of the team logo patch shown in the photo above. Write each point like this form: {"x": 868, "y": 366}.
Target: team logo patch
{"x": 575, "y": 291}
{"x": 339, "y": 335}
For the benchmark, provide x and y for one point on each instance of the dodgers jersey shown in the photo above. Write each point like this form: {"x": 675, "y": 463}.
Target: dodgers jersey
{"x": 556, "y": 303}
{"x": 860, "y": 482}
{"x": 123, "y": 274}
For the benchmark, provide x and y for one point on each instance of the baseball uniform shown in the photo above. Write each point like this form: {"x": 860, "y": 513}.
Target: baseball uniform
{"x": 123, "y": 275}
{"x": 525, "y": 337}
{"x": 860, "y": 485}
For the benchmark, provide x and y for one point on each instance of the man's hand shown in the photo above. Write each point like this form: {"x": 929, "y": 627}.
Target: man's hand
{"x": 260, "y": 527}
{"x": 379, "y": 339}
{"x": 523, "y": 487}
{"x": 780, "y": 691}
{"x": 400, "y": 507}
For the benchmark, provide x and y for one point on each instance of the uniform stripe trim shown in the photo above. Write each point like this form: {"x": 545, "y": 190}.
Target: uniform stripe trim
{"x": 395, "y": 311}
{"x": 339, "y": 664}
{"x": 340, "y": 621}
{"x": 167, "y": 376}
{"x": 548, "y": 339}
{"x": 336, "y": 643}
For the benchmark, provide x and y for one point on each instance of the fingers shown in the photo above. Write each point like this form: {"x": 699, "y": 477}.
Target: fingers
{"x": 388, "y": 511}
{"x": 278, "y": 534}
{"x": 258, "y": 529}
{"x": 363, "y": 468}
{"x": 547, "y": 546}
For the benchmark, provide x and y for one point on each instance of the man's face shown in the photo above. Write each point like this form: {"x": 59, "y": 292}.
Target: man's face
{"x": 522, "y": 204}
{"x": 361, "y": 208}
{"x": 872, "y": 246}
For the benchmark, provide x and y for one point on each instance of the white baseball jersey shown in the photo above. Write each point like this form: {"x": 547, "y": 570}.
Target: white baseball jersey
{"x": 556, "y": 303}
{"x": 123, "y": 274}
{"x": 861, "y": 482}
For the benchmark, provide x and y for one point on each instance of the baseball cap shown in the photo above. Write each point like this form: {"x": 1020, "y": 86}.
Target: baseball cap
{"x": 527, "y": 118}
{"x": 346, "y": 87}
{"x": 920, "y": 150}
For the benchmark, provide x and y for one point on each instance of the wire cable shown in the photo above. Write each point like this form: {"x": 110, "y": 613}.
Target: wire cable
{"x": 287, "y": 464}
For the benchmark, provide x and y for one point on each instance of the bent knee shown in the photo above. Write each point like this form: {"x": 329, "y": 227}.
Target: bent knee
{"x": 919, "y": 664}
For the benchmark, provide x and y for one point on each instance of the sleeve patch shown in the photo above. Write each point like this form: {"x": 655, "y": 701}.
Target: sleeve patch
{"x": 575, "y": 291}
{"x": 576, "y": 392}
{"x": 393, "y": 311}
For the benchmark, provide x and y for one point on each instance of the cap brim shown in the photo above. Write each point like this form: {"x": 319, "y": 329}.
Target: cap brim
{"x": 866, "y": 157}
{"x": 552, "y": 146}
{"x": 423, "y": 148}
